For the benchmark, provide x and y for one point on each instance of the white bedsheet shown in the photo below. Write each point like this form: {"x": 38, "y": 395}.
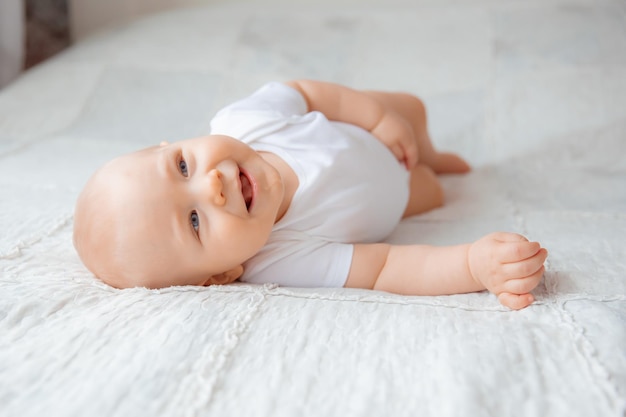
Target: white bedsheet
{"x": 532, "y": 93}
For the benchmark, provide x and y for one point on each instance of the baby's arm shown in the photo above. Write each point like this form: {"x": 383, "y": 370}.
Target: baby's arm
{"x": 506, "y": 264}
{"x": 344, "y": 104}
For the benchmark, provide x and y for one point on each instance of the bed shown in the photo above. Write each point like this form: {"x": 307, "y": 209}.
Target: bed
{"x": 532, "y": 94}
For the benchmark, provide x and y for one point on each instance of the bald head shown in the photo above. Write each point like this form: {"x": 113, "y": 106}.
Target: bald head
{"x": 111, "y": 214}
{"x": 97, "y": 227}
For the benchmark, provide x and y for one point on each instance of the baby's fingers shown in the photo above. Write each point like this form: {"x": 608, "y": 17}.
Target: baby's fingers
{"x": 518, "y": 251}
{"x": 524, "y": 285}
{"x": 410, "y": 155}
{"x": 398, "y": 152}
{"x": 405, "y": 152}
{"x": 525, "y": 267}
{"x": 515, "y": 301}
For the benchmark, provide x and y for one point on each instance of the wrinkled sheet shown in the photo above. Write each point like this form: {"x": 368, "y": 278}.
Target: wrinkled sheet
{"x": 533, "y": 94}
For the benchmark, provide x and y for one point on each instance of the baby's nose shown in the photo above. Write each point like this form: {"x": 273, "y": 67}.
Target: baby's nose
{"x": 216, "y": 187}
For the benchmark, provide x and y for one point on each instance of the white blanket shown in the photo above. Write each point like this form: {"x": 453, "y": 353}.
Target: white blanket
{"x": 533, "y": 95}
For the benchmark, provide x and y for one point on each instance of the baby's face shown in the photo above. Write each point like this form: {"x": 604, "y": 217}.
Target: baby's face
{"x": 196, "y": 208}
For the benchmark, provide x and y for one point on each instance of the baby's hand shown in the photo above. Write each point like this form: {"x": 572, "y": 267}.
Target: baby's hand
{"x": 397, "y": 134}
{"x": 508, "y": 265}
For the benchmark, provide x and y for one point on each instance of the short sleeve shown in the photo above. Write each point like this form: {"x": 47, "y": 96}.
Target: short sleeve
{"x": 298, "y": 262}
{"x": 266, "y": 110}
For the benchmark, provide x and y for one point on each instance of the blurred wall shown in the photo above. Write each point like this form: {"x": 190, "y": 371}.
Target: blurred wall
{"x": 47, "y": 30}
{"x": 34, "y": 30}
{"x": 31, "y": 31}
{"x": 88, "y": 16}
{"x": 11, "y": 39}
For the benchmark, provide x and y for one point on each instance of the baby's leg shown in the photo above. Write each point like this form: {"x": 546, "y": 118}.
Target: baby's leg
{"x": 413, "y": 110}
{"x": 425, "y": 192}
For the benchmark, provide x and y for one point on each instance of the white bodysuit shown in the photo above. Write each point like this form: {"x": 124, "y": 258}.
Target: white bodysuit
{"x": 351, "y": 187}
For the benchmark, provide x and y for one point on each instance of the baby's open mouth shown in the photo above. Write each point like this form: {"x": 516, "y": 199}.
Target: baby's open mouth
{"x": 246, "y": 189}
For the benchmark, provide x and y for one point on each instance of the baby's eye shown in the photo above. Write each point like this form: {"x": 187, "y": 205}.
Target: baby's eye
{"x": 182, "y": 166}
{"x": 195, "y": 221}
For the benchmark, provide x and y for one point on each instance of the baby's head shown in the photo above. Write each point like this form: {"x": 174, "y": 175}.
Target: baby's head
{"x": 187, "y": 213}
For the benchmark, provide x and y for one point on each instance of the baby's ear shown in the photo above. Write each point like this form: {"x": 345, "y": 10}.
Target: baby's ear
{"x": 225, "y": 277}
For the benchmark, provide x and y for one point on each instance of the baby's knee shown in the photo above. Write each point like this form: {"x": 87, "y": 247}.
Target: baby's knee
{"x": 416, "y": 105}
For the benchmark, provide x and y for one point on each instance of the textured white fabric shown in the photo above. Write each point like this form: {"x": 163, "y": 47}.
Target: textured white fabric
{"x": 531, "y": 93}
{"x": 351, "y": 188}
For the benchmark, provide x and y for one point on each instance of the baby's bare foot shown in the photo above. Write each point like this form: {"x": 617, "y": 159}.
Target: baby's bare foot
{"x": 449, "y": 163}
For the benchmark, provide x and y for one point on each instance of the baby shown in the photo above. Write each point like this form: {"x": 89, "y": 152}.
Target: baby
{"x": 297, "y": 184}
